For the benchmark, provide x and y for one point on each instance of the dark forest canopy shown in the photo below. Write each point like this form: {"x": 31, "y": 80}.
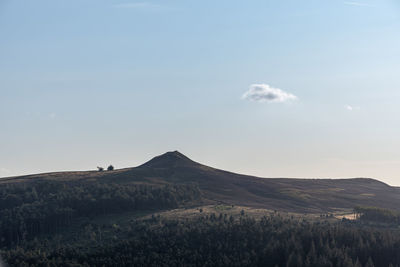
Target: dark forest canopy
{"x": 220, "y": 240}
{"x": 46, "y": 206}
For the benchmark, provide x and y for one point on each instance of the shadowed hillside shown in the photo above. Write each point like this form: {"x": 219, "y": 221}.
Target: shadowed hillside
{"x": 218, "y": 186}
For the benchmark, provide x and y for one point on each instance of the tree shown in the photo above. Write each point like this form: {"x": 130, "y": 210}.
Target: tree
{"x": 110, "y": 168}
{"x": 369, "y": 263}
{"x": 100, "y": 169}
{"x": 294, "y": 260}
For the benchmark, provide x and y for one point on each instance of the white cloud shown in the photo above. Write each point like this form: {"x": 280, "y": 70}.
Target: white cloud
{"x": 52, "y": 116}
{"x": 266, "y": 93}
{"x": 353, "y": 3}
{"x": 136, "y": 5}
{"x": 352, "y": 108}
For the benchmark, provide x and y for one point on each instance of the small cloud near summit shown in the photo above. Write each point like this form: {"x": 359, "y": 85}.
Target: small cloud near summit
{"x": 352, "y": 108}
{"x": 265, "y": 93}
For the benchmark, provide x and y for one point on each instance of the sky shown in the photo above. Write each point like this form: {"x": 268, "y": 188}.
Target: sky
{"x": 269, "y": 88}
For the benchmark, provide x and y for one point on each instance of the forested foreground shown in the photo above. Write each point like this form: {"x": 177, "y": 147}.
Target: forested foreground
{"x": 219, "y": 240}
{"x": 46, "y": 207}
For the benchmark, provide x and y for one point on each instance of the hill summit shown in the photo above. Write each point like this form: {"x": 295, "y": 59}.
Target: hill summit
{"x": 168, "y": 160}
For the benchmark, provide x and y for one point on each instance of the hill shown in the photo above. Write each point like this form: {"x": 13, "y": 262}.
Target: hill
{"x": 223, "y": 187}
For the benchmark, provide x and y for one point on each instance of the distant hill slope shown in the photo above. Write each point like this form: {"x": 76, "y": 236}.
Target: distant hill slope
{"x": 218, "y": 186}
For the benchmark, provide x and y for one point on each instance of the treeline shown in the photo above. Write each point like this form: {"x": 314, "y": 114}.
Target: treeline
{"x": 27, "y": 210}
{"x": 375, "y": 214}
{"x": 221, "y": 240}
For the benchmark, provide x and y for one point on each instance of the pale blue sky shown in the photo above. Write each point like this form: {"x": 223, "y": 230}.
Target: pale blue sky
{"x": 88, "y": 83}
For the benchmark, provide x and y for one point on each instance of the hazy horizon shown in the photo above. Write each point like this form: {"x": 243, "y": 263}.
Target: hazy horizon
{"x": 299, "y": 89}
